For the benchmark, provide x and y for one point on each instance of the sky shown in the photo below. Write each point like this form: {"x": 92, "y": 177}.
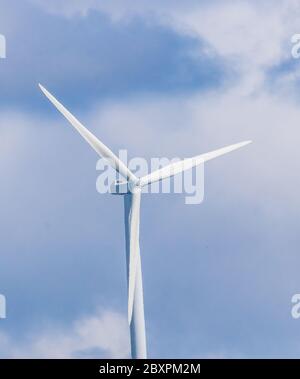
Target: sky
{"x": 160, "y": 79}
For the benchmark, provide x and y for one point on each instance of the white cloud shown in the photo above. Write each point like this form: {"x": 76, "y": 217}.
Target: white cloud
{"x": 116, "y": 9}
{"x": 252, "y": 36}
{"x": 104, "y": 334}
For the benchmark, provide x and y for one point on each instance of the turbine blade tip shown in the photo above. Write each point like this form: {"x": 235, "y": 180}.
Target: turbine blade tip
{"x": 242, "y": 144}
{"x": 43, "y": 89}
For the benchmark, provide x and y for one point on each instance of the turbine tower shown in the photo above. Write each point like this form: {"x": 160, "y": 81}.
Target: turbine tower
{"x": 132, "y": 200}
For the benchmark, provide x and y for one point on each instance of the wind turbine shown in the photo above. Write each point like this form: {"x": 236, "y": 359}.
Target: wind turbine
{"x": 132, "y": 200}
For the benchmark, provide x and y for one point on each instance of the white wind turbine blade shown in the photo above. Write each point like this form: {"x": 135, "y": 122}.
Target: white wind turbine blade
{"x": 186, "y": 164}
{"x": 134, "y": 247}
{"x": 93, "y": 141}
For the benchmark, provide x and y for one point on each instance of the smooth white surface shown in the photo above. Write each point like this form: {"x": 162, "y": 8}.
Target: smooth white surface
{"x": 134, "y": 248}
{"x": 186, "y": 164}
{"x": 137, "y": 319}
{"x": 97, "y": 145}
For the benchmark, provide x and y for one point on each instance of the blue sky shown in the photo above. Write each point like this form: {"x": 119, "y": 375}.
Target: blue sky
{"x": 159, "y": 80}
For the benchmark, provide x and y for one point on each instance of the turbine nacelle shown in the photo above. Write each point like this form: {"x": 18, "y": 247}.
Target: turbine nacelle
{"x": 122, "y": 187}
{"x": 119, "y": 187}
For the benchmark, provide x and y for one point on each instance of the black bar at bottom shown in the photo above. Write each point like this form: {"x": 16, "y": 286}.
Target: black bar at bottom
{"x": 90, "y": 368}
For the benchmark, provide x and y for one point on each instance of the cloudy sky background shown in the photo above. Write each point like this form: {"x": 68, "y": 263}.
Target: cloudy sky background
{"x": 158, "y": 78}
